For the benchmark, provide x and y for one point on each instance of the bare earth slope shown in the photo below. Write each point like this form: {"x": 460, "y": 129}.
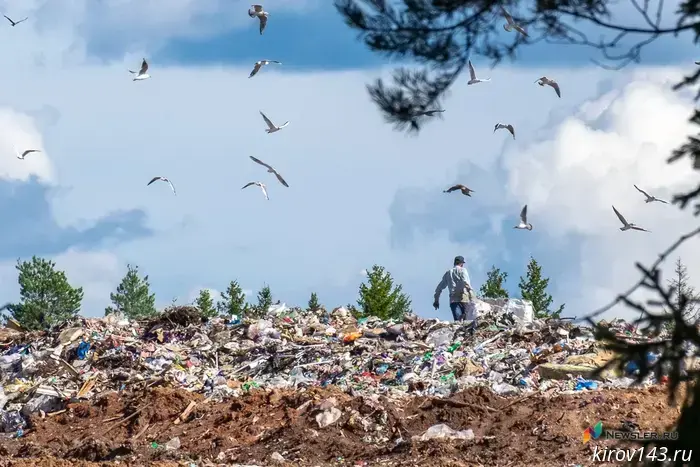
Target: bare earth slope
{"x": 280, "y": 428}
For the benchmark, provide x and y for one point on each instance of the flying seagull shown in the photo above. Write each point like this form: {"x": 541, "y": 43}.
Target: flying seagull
{"x": 510, "y": 25}
{"x": 626, "y": 225}
{"x": 259, "y": 64}
{"x": 429, "y": 113}
{"x": 507, "y": 127}
{"x": 143, "y": 72}
{"x": 24, "y": 154}
{"x": 270, "y": 170}
{"x": 271, "y": 128}
{"x": 261, "y": 15}
{"x": 163, "y": 179}
{"x": 697, "y": 63}
{"x": 523, "y": 220}
{"x": 261, "y": 185}
{"x": 472, "y": 75}
{"x": 549, "y": 82}
{"x": 465, "y": 191}
{"x": 649, "y": 197}
{"x": 14, "y": 23}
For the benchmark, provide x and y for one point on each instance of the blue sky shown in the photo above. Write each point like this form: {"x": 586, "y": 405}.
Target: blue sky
{"x": 359, "y": 192}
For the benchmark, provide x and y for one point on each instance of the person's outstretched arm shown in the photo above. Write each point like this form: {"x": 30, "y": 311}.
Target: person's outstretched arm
{"x": 438, "y": 291}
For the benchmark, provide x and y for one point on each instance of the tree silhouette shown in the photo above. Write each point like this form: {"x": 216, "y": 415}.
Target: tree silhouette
{"x": 680, "y": 285}
{"x": 533, "y": 287}
{"x": 493, "y": 287}
{"x": 381, "y": 297}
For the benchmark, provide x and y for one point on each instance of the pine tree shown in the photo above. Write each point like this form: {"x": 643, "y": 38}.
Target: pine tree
{"x": 132, "y": 297}
{"x": 205, "y": 303}
{"x": 264, "y": 301}
{"x": 533, "y": 287}
{"x": 493, "y": 287}
{"x": 313, "y": 302}
{"x": 680, "y": 287}
{"x": 232, "y": 301}
{"x": 46, "y": 297}
{"x": 381, "y": 298}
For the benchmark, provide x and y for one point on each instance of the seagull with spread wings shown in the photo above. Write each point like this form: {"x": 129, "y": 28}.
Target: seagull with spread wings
{"x": 271, "y": 128}
{"x": 524, "y": 224}
{"x": 24, "y": 154}
{"x": 549, "y": 82}
{"x": 261, "y": 185}
{"x": 626, "y": 225}
{"x": 259, "y": 64}
{"x": 465, "y": 191}
{"x": 261, "y": 14}
{"x": 511, "y": 24}
{"x": 142, "y": 73}
{"x": 472, "y": 75}
{"x": 650, "y": 198}
{"x": 163, "y": 179}
{"x": 270, "y": 170}
{"x": 15, "y": 23}
{"x": 508, "y": 127}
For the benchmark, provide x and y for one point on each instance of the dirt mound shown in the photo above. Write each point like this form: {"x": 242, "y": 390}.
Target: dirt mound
{"x": 147, "y": 428}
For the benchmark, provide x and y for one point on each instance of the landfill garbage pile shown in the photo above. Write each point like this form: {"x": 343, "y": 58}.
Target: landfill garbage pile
{"x": 44, "y": 375}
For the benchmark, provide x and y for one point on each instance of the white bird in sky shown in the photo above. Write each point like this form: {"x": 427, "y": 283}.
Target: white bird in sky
{"x": 261, "y": 185}
{"x": 523, "y": 220}
{"x": 270, "y": 170}
{"x": 24, "y": 154}
{"x": 14, "y": 23}
{"x": 511, "y": 24}
{"x": 507, "y": 127}
{"x": 271, "y": 128}
{"x": 549, "y": 82}
{"x": 143, "y": 72}
{"x": 259, "y": 64}
{"x": 649, "y": 197}
{"x": 472, "y": 75}
{"x": 626, "y": 225}
{"x": 163, "y": 179}
{"x": 261, "y": 14}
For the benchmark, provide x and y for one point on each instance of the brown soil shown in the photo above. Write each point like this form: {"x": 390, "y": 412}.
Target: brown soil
{"x": 535, "y": 431}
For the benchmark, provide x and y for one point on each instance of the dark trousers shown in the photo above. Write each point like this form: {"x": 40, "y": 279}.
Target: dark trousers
{"x": 460, "y": 311}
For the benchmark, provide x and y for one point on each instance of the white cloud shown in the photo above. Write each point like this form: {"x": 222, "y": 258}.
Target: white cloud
{"x": 18, "y": 133}
{"x": 97, "y": 272}
{"x": 591, "y": 162}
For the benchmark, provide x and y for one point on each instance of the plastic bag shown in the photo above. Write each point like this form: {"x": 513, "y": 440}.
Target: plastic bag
{"x": 443, "y": 431}
{"x": 11, "y": 421}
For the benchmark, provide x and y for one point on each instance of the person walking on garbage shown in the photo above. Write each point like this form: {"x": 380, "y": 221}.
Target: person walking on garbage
{"x": 458, "y": 285}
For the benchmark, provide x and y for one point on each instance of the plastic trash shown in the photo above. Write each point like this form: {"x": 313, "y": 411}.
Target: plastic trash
{"x": 257, "y": 330}
{"x": 442, "y": 431}
{"x": 328, "y": 417}
{"x": 582, "y": 384}
{"x": 440, "y": 337}
{"x": 351, "y": 337}
{"x": 504, "y": 389}
{"x": 82, "y": 350}
{"x": 173, "y": 444}
{"x": 11, "y": 421}
{"x": 277, "y": 308}
{"x": 631, "y": 368}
